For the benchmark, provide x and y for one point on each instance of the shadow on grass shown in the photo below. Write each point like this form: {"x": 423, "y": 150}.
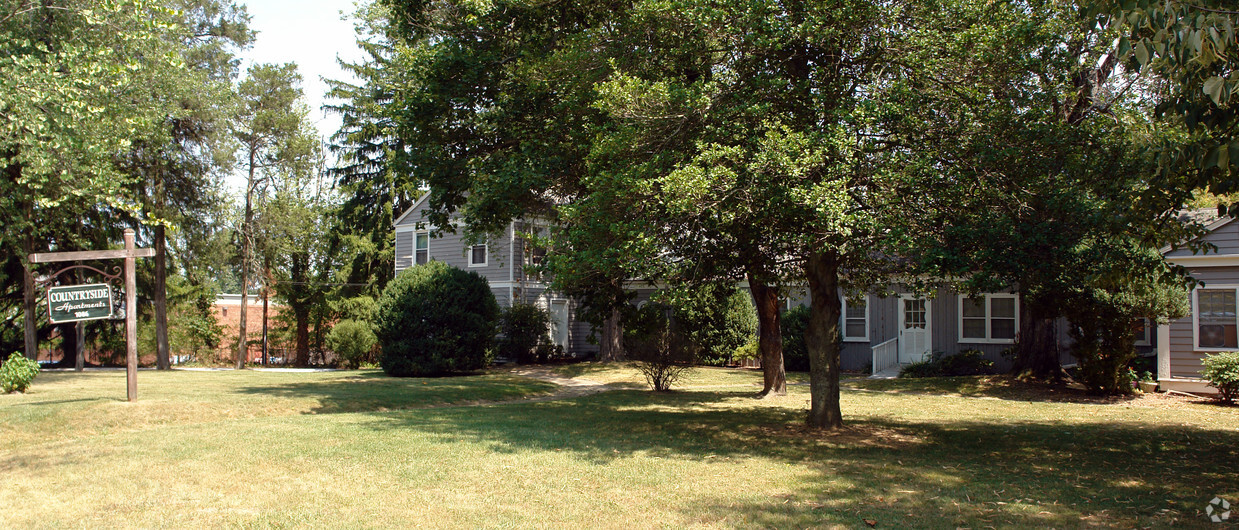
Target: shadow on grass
{"x": 377, "y": 392}
{"x": 958, "y": 472}
{"x": 992, "y": 386}
{"x": 63, "y": 401}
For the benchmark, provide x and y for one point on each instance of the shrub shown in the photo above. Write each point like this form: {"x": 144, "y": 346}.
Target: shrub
{"x": 966, "y": 362}
{"x": 661, "y": 352}
{"x": 925, "y": 368}
{"x": 716, "y": 318}
{"x": 1222, "y": 372}
{"x": 739, "y": 326}
{"x": 524, "y": 328}
{"x": 434, "y": 319}
{"x": 749, "y": 351}
{"x": 353, "y": 341}
{"x": 795, "y": 352}
{"x": 548, "y": 352}
{"x": 16, "y": 373}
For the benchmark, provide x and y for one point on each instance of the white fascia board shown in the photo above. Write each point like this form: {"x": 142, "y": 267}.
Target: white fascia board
{"x": 1211, "y": 260}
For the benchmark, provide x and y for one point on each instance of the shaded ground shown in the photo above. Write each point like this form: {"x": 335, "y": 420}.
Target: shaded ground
{"x": 945, "y": 454}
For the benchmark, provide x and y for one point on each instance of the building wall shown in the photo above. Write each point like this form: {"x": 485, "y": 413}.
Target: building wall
{"x": 1185, "y": 360}
{"x": 227, "y": 311}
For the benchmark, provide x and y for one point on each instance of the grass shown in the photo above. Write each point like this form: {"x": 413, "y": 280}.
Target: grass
{"x": 261, "y": 449}
{"x": 625, "y": 375}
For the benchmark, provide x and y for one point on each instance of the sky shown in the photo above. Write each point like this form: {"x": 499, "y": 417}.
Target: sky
{"x": 311, "y": 33}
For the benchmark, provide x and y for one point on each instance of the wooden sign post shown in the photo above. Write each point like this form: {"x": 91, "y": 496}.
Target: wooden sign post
{"x": 129, "y": 254}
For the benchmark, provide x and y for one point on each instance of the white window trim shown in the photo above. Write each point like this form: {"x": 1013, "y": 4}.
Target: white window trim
{"x": 959, "y": 319}
{"x": 1196, "y": 315}
{"x": 485, "y": 254}
{"x": 1147, "y": 340}
{"x": 843, "y": 322}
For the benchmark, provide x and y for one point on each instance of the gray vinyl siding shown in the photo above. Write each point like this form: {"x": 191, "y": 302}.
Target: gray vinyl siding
{"x": 1185, "y": 361}
{"x": 1226, "y": 237}
{"x": 404, "y": 250}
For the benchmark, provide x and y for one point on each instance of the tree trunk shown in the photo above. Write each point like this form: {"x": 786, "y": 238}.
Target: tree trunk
{"x": 79, "y": 362}
{"x": 242, "y": 347}
{"x": 612, "y": 347}
{"x": 163, "y": 359}
{"x": 302, "y": 315}
{"x": 68, "y": 344}
{"x": 266, "y": 346}
{"x": 28, "y": 295}
{"x": 822, "y": 340}
{"x": 29, "y": 315}
{"x": 769, "y": 337}
{"x": 1036, "y": 352}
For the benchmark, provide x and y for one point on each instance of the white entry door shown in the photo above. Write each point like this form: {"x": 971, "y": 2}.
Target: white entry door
{"x": 559, "y": 323}
{"x": 914, "y": 337}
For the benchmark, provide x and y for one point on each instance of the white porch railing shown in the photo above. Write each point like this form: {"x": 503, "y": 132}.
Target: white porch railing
{"x": 886, "y": 355}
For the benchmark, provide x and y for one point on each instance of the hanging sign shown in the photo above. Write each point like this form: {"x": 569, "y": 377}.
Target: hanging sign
{"x": 74, "y": 303}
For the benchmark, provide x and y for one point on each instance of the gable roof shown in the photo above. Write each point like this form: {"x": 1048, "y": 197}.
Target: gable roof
{"x": 416, "y": 204}
{"x": 1212, "y": 224}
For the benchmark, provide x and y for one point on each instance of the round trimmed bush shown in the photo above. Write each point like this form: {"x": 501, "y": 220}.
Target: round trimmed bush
{"x": 352, "y": 341}
{"x": 434, "y": 319}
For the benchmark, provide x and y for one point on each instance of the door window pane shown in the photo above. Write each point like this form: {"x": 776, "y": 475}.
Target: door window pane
{"x": 914, "y": 314}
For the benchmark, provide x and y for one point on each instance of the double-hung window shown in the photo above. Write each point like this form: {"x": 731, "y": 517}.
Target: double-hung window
{"x": 991, "y": 318}
{"x": 477, "y": 255}
{"x": 856, "y": 320}
{"x": 1215, "y": 318}
{"x": 421, "y": 248}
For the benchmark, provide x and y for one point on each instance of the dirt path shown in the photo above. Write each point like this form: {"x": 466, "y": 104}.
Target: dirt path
{"x": 569, "y": 387}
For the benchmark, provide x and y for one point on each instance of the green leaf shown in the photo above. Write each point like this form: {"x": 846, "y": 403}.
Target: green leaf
{"x": 1213, "y": 88}
{"x": 1142, "y": 53}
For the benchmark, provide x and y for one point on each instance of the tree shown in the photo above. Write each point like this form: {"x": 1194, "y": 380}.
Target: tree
{"x": 175, "y": 172}
{"x": 295, "y": 227}
{"x": 1192, "y": 47}
{"x": 749, "y": 120}
{"x": 1025, "y": 130}
{"x": 374, "y": 180}
{"x": 476, "y": 125}
{"x": 275, "y": 140}
{"x": 75, "y": 80}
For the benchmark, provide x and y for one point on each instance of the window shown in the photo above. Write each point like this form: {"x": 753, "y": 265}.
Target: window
{"x": 855, "y": 320}
{"x": 1215, "y": 319}
{"x": 990, "y": 318}
{"x": 477, "y": 255}
{"x": 421, "y": 248}
{"x": 537, "y": 252}
{"x": 1140, "y": 329}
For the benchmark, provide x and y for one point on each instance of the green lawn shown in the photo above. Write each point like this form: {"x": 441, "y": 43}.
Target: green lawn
{"x": 347, "y": 449}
